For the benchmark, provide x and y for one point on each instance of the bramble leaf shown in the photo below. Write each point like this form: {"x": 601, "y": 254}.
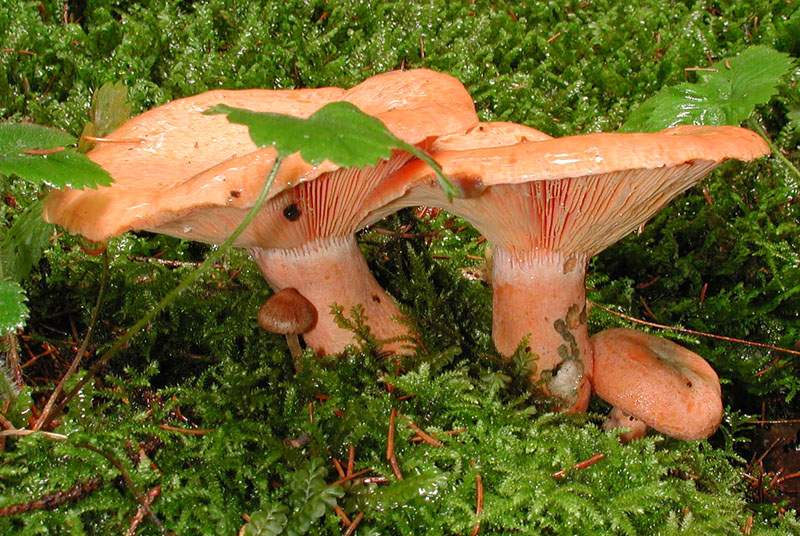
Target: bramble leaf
{"x": 13, "y": 310}
{"x": 725, "y": 96}
{"x": 338, "y": 132}
{"x": 39, "y": 154}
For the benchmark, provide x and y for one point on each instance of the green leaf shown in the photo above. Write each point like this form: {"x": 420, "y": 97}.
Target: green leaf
{"x": 23, "y": 243}
{"x": 13, "y": 311}
{"x": 338, "y": 132}
{"x": 794, "y": 117}
{"x": 269, "y": 521}
{"x": 59, "y": 167}
{"x": 725, "y": 96}
{"x": 110, "y": 107}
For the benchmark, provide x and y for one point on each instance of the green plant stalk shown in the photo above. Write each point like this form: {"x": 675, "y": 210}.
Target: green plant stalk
{"x": 185, "y": 283}
{"x": 444, "y": 183}
{"x": 47, "y": 413}
{"x": 776, "y": 151}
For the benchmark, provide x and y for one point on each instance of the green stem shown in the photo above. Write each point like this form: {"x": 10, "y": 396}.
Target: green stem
{"x": 776, "y": 151}
{"x": 444, "y": 182}
{"x": 185, "y": 283}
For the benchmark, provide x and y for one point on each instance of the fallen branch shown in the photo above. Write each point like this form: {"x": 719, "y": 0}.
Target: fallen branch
{"x": 580, "y": 465}
{"x": 140, "y": 512}
{"x": 185, "y": 431}
{"x": 478, "y": 504}
{"x": 354, "y": 525}
{"x": 424, "y": 436}
{"x": 50, "y": 501}
{"x": 695, "y": 332}
{"x": 390, "y": 446}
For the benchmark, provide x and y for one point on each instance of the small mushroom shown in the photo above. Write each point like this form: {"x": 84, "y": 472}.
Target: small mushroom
{"x": 547, "y": 206}
{"x": 654, "y": 382}
{"x": 288, "y": 313}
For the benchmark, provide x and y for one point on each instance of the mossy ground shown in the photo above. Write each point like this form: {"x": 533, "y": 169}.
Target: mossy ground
{"x": 270, "y": 434}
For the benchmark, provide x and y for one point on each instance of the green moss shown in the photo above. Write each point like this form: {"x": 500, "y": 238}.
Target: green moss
{"x": 563, "y": 68}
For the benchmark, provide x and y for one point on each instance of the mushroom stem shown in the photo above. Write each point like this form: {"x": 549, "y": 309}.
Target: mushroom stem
{"x": 333, "y": 271}
{"x": 294, "y": 347}
{"x": 542, "y": 296}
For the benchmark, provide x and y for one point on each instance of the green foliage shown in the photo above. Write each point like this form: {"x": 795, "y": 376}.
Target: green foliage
{"x": 13, "y": 311}
{"x": 23, "y": 243}
{"x": 338, "y": 132}
{"x": 726, "y": 94}
{"x": 38, "y": 154}
{"x": 110, "y": 108}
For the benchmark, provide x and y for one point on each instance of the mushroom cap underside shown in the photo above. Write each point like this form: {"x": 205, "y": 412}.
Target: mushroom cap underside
{"x": 174, "y": 159}
{"x": 670, "y": 388}
{"x": 544, "y": 196}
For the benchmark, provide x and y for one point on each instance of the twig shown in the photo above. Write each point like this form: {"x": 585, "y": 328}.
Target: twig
{"x": 21, "y": 432}
{"x": 51, "y": 501}
{"x": 376, "y": 480}
{"x": 6, "y": 424}
{"x": 339, "y": 469}
{"x": 111, "y": 140}
{"x": 352, "y": 476}
{"x": 354, "y": 525}
{"x": 390, "y": 446}
{"x": 185, "y": 283}
{"x": 47, "y": 412}
{"x": 695, "y": 332}
{"x": 185, "y": 431}
{"x": 580, "y": 465}
{"x": 351, "y": 460}
{"x": 129, "y": 483}
{"x": 140, "y": 512}
{"x": 425, "y": 437}
{"x": 12, "y": 357}
{"x": 43, "y": 152}
{"x": 342, "y": 515}
{"x": 478, "y": 503}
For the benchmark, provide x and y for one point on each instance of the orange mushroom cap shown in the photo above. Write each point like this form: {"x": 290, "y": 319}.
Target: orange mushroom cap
{"x": 173, "y": 161}
{"x": 659, "y": 382}
{"x": 575, "y": 195}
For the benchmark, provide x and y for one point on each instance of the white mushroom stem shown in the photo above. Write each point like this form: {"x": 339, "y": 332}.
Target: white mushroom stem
{"x": 333, "y": 272}
{"x": 542, "y": 296}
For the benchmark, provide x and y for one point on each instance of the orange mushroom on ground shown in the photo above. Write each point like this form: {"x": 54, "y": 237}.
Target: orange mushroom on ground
{"x": 653, "y": 382}
{"x": 195, "y": 176}
{"x": 547, "y": 207}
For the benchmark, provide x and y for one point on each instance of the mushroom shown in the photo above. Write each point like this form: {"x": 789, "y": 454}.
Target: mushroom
{"x": 288, "y": 313}
{"x": 653, "y": 382}
{"x": 547, "y": 207}
{"x": 195, "y": 176}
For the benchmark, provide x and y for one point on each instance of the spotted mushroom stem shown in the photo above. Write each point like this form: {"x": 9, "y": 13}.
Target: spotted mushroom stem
{"x": 542, "y": 296}
{"x": 329, "y": 272}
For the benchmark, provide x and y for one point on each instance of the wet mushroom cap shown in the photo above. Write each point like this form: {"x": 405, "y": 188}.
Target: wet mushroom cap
{"x": 668, "y": 387}
{"x": 287, "y": 312}
{"x": 173, "y": 161}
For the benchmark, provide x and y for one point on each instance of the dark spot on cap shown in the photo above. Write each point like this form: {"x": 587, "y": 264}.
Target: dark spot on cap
{"x": 291, "y": 212}
{"x": 236, "y": 193}
{"x": 469, "y": 187}
{"x": 376, "y": 298}
{"x": 688, "y": 384}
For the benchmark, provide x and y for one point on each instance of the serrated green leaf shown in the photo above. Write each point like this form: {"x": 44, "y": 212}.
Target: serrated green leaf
{"x": 60, "y": 168}
{"x": 726, "y": 96}
{"x": 13, "y": 310}
{"x": 338, "y": 132}
{"x": 110, "y": 107}
{"x": 23, "y": 243}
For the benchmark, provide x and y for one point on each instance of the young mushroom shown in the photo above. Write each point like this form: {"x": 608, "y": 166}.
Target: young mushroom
{"x": 195, "y": 176}
{"x": 653, "y": 382}
{"x": 288, "y": 313}
{"x": 547, "y": 207}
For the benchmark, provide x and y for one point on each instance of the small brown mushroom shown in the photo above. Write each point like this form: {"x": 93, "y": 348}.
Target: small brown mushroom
{"x": 288, "y": 313}
{"x": 657, "y": 382}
